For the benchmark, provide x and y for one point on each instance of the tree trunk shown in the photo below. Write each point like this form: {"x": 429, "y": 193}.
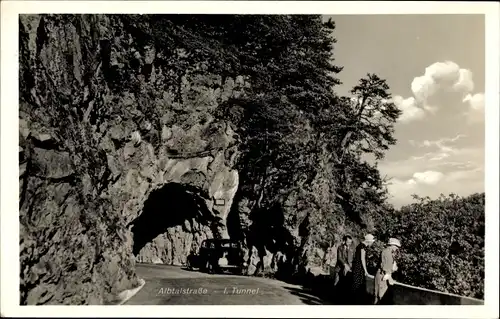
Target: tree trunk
{"x": 348, "y": 132}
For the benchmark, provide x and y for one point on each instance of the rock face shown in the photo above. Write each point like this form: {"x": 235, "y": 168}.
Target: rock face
{"x": 294, "y": 236}
{"x": 111, "y": 174}
{"x": 65, "y": 257}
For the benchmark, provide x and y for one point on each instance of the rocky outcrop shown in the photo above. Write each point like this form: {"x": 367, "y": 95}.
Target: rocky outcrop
{"x": 294, "y": 236}
{"x": 65, "y": 257}
{"x": 109, "y": 152}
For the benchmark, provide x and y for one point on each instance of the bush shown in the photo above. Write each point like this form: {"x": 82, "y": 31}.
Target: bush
{"x": 443, "y": 243}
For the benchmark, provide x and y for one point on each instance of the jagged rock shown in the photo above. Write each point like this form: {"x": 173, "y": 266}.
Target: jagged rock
{"x": 52, "y": 164}
{"x": 22, "y": 169}
{"x": 194, "y": 178}
{"x": 135, "y": 137}
{"x": 166, "y": 133}
{"x": 223, "y": 188}
{"x": 120, "y": 131}
{"x": 84, "y": 192}
{"x": 23, "y": 128}
{"x": 256, "y": 266}
{"x": 43, "y": 137}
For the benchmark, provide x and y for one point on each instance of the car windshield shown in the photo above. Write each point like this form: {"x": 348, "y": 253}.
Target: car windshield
{"x": 222, "y": 244}
{"x": 229, "y": 245}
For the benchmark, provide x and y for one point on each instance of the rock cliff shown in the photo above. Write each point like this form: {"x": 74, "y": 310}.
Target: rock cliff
{"x": 115, "y": 165}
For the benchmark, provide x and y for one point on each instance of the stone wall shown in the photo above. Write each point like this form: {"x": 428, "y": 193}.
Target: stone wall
{"x": 410, "y": 295}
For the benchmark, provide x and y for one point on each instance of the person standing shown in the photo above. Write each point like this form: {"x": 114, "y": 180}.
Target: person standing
{"x": 343, "y": 269}
{"x": 345, "y": 256}
{"x": 387, "y": 266}
{"x": 360, "y": 271}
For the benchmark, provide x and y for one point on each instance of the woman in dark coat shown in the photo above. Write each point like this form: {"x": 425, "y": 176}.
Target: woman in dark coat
{"x": 359, "y": 271}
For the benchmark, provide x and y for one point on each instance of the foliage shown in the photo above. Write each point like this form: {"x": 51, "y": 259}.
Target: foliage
{"x": 443, "y": 243}
{"x": 365, "y": 126}
{"x": 293, "y": 80}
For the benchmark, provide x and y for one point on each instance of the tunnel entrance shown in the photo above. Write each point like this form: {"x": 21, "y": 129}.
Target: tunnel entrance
{"x": 170, "y": 206}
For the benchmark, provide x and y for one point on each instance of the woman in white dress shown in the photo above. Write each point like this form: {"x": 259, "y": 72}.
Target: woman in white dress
{"x": 387, "y": 266}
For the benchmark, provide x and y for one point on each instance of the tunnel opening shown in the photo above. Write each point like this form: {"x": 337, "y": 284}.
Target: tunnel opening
{"x": 169, "y": 206}
{"x": 268, "y": 229}
{"x": 265, "y": 230}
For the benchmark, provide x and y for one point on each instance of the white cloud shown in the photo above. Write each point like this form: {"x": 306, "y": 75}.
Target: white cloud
{"x": 453, "y": 139}
{"x": 401, "y": 191}
{"x": 443, "y": 150}
{"x": 464, "y": 83}
{"x": 428, "y": 177}
{"x": 440, "y": 143}
{"x": 430, "y": 108}
{"x": 440, "y": 156}
{"x": 409, "y": 108}
{"x": 445, "y": 169}
{"x": 475, "y": 114}
{"x": 414, "y": 158}
{"x": 476, "y": 101}
{"x": 446, "y": 76}
{"x": 439, "y": 160}
{"x": 423, "y": 87}
{"x": 438, "y": 166}
{"x": 461, "y": 175}
{"x": 443, "y": 71}
{"x": 461, "y": 182}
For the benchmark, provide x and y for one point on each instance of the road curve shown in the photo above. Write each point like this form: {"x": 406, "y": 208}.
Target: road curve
{"x": 171, "y": 285}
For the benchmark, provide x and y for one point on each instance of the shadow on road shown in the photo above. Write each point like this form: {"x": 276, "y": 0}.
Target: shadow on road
{"x": 308, "y": 297}
{"x": 312, "y": 294}
{"x": 315, "y": 290}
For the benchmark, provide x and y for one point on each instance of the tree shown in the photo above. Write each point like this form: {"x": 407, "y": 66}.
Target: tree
{"x": 288, "y": 63}
{"x": 291, "y": 82}
{"x": 365, "y": 126}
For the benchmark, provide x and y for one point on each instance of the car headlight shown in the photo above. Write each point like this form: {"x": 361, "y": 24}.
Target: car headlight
{"x": 245, "y": 264}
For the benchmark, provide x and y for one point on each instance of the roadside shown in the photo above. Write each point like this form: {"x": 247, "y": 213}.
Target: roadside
{"x": 171, "y": 285}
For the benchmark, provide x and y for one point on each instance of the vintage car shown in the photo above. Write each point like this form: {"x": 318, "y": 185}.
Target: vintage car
{"x": 218, "y": 255}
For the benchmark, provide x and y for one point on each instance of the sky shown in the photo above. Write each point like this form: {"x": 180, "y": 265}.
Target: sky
{"x": 435, "y": 67}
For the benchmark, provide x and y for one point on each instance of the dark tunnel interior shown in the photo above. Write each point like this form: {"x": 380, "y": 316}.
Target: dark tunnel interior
{"x": 166, "y": 207}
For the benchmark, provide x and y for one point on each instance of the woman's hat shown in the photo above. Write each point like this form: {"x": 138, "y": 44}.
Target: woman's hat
{"x": 369, "y": 238}
{"x": 394, "y": 242}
